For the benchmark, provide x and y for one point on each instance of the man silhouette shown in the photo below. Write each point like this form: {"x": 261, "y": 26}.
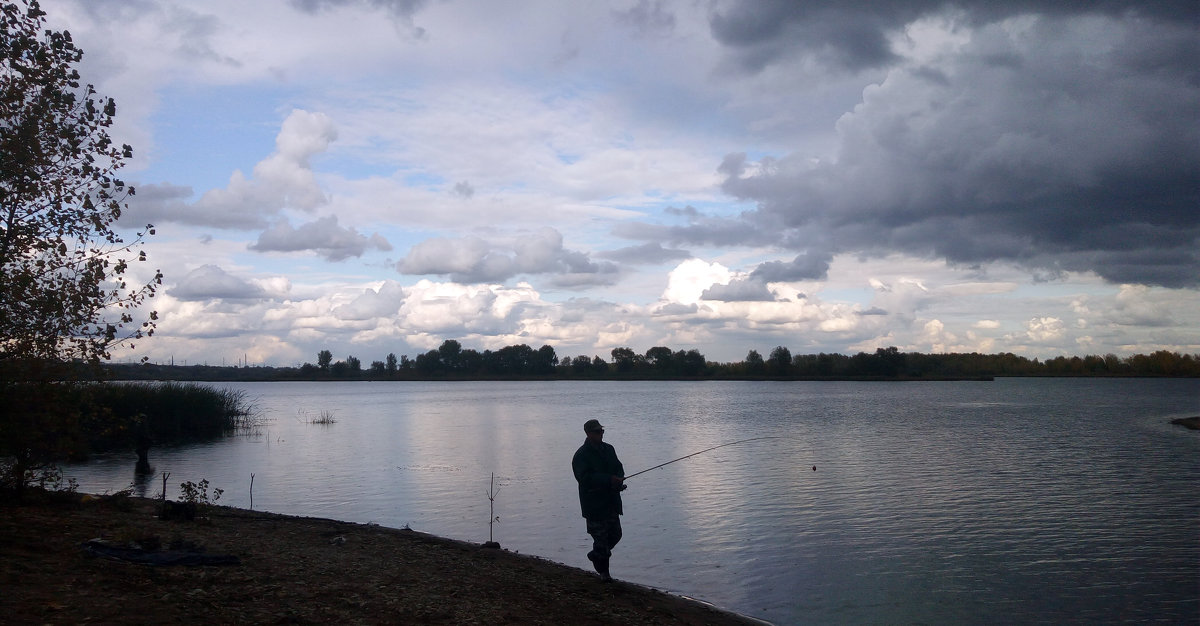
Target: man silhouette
{"x": 601, "y": 480}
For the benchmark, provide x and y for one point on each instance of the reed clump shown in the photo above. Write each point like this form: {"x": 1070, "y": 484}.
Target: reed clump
{"x": 324, "y": 417}
{"x": 43, "y": 423}
{"x": 129, "y": 415}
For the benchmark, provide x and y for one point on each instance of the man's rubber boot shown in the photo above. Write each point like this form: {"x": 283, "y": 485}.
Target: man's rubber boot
{"x": 602, "y": 568}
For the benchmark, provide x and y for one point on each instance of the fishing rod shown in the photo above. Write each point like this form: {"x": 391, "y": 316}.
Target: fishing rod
{"x": 701, "y": 452}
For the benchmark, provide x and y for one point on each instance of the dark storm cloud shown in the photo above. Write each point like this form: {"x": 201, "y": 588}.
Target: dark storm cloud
{"x": 854, "y": 34}
{"x": 1066, "y": 145}
{"x": 844, "y": 34}
{"x": 647, "y": 253}
{"x": 701, "y": 229}
{"x": 806, "y": 266}
{"x": 715, "y": 231}
{"x": 748, "y": 290}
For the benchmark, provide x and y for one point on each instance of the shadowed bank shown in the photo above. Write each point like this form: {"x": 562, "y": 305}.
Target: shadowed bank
{"x": 294, "y": 570}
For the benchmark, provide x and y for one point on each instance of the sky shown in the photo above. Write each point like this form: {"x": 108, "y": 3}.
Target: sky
{"x": 379, "y": 176}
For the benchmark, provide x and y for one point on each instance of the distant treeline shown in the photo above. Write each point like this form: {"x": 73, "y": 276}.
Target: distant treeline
{"x": 452, "y": 362}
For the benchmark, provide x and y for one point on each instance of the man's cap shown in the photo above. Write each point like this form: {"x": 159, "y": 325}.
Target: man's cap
{"x": 592, "y": 426}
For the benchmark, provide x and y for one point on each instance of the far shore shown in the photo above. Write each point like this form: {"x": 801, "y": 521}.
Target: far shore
{"x": 289, "y": 569}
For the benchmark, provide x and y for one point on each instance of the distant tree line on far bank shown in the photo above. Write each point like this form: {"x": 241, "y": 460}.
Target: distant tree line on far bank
{"x": 452, "y": 362}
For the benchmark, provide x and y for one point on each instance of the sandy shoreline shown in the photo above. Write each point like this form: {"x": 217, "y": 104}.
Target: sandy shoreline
{"x": 293, "y": 570}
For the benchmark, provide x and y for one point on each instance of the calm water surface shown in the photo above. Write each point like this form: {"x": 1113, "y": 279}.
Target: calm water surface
{"x": 1014, "y": 501}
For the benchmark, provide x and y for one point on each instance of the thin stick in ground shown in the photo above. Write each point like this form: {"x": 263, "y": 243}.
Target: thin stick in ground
{"x": 491, "y": 494}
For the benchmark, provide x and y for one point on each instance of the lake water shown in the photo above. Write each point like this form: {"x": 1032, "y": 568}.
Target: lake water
{"x": 1013, "y": 501}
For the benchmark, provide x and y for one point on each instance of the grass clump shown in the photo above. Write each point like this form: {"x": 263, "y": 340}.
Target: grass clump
{"x": 165, "y": 413}
{"x": 45, "y": 423}
{"x": 324, "y": 418}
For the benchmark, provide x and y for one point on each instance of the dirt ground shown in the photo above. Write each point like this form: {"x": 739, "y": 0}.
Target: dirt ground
{"x": 291, "y": 570}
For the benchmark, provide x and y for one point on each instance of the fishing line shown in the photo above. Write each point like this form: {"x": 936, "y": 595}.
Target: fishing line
{"x": 732, "y": 443}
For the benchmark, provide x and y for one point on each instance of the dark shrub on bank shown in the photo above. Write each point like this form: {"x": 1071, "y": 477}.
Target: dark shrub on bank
{"x": 44, "y": 422}
{"x": 127, "y": 415}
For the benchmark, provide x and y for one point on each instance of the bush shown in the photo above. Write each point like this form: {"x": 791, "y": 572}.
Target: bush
{"x": 164, "y": 413}
{"x": 46, "y": 423}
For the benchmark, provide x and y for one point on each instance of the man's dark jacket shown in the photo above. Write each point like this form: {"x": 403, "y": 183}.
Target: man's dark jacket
{"x": 594, "y": 465}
